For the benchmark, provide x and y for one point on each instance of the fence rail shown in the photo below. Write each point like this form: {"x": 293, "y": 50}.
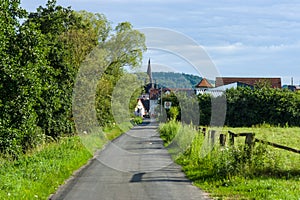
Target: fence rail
{"x": 278, "y": 146}
{"x": 250, "y": 140}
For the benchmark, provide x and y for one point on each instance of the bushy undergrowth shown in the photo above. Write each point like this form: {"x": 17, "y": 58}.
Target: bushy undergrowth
{"x": 177, "y": 137}
{"x": 38, "y": 174}
{"x": 168, "y": 131}
{"x": 225, "y": 163}
{"x": 236, "y": 171}
{"x": 137, "y": 120}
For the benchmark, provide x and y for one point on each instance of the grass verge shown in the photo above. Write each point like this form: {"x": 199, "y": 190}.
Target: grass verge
{"x": 40, "y": 172}
{"x": 230, "y": 173}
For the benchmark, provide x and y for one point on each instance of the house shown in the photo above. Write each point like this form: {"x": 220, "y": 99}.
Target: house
{"x": 204, "y": 83}
{"x": 203, "y": 86}
{"x": 139, "y": 109}
{"x": 220, "y": 81}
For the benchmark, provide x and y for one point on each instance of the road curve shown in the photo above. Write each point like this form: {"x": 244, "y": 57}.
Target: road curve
{"x": 135, "y": 166}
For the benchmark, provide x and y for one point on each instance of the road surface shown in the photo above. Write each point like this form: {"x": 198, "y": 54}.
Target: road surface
{"x": 135, "y": 166}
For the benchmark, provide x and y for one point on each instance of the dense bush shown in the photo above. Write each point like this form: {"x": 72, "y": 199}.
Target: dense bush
{"x": 168, "y": 131}
{"x": 247, "y": 107}
{"x": 137, "y": 120}
{"x": 177, "y": 137}
{"x": 41, "y": 54}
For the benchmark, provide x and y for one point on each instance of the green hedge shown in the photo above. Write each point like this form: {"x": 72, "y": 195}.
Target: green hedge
{"x": 247, "y": 107}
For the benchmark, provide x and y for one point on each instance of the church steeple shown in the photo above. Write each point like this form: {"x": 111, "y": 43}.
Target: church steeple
{"x": 149, "y": 72}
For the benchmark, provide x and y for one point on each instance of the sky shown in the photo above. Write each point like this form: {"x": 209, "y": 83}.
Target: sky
{"x": 238, "y": 38}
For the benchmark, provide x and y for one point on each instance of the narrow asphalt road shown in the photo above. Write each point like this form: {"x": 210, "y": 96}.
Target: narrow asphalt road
{"x": 136, "y": 166}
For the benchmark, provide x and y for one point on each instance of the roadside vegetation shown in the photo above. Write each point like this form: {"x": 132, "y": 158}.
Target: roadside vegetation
{"x": 41, "y": 56}
{"x": 244, "y": 107}
{"x": 137, "y": 120}
{"x": 38, "y": 173}
{"x": 42, "y": 53}
{"x": 238, "y": 172}
{"x": 231, "y": 172}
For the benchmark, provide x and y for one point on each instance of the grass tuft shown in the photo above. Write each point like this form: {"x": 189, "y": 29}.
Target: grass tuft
{"x": 234, "y": 173}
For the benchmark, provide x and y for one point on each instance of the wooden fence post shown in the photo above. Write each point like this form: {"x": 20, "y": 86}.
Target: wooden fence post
{"x": 204, "y": 131}
{"x": 222, "y": 139}
{"x": 231, "y": 138}
{"x": 249, "y": 141}
{"x": 212, "y": 138}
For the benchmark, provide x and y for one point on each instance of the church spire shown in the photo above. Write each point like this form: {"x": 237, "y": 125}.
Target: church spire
{"x": 149, "y": 72}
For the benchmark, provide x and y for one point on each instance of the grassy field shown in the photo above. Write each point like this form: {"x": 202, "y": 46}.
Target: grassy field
{"x": 229, "y": 173}
{"x": 40, "y": 172}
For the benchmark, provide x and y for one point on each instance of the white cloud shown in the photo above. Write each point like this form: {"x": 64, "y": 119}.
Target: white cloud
{"x": 242, "y": 37}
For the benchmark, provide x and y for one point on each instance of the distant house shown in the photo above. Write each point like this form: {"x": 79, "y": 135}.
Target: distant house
{"x": 232, "y": 85}
{"x": 220, "y": 81}
{"x": 204, "y": 83}
{"x": 203, "y": 86}
{"x": 140, "y": 109}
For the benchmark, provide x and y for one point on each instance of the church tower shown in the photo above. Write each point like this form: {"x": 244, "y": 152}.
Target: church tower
{"x": 149, "y": 72}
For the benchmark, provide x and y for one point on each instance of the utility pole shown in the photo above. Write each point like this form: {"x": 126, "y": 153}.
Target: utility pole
{"x": 161, "y": 92}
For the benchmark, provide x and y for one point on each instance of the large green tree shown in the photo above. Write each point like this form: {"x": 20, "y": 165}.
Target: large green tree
{"x": 40, "y": 60}
{"x": 124, "y": 48}
{"x": 22, "y": 54}
{"x": 70, "y": 37}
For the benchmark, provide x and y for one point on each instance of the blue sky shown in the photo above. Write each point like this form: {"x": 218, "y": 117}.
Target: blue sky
{"x": 242, "y": 38}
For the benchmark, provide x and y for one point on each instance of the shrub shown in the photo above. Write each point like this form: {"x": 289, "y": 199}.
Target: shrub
{"x": 168, "y": 131}
{"x": 138, "y": 120}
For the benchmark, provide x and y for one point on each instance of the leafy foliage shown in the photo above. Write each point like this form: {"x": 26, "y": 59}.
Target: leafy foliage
{"x": 247, "y": 107}
{"x": 234, "y": 171}
{"x": 40, "y": 60}
{"x": 125, "y": 48}
{"x": 137, "y": 120}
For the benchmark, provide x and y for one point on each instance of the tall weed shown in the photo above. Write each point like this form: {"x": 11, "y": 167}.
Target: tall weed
{"x": 168, "y": 131}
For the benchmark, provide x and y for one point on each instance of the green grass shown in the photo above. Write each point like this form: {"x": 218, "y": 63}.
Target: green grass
{"x": 229, "y": 173}
{"x": 40, "y": 172}
{"x": 114, "y": 132}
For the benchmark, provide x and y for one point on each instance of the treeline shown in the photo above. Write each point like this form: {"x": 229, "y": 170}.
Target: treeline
{"x": 40, "y": 55}
{"x": 245, "y": 107}
{"x": 173, "y": 80}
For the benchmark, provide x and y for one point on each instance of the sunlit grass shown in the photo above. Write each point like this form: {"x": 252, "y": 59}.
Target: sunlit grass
{"x": 41, "y": 171}
{"x": 38, "y": 174}
{"x": 230, "y": 173}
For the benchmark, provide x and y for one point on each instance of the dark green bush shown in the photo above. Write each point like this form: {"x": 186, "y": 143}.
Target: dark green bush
{"x": 137, "y": 120}
{"x": 41, "y": 53}
{"x": 247, "y": 107}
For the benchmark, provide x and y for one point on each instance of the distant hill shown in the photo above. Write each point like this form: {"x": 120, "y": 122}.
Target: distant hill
{"x": 173, "y": 80}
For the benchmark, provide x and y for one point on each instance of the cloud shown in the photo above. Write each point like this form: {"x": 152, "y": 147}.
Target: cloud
{"x": 226, "y": 49}
{"x": 242, "y": 37}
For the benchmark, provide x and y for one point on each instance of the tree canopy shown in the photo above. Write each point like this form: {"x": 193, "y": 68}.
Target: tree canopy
{"x": 40, "y": 59}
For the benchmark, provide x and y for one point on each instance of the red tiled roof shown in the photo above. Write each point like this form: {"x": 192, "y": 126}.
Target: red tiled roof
{"x": 204, "y": 84}
{"x": 275, "y": 82}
